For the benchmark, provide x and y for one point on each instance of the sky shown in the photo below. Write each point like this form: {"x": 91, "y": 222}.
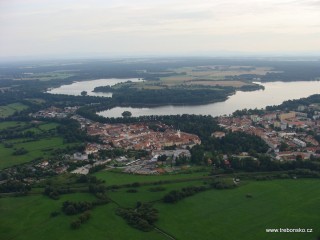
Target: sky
{"x": 158, "y": 27}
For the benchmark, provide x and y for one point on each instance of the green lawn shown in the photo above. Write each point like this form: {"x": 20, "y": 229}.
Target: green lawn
{"x": 10, "y": 109}
{"x": 228, "y": 214}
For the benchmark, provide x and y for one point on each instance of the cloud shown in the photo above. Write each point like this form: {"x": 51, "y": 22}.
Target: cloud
{"x": 43, "y": 26}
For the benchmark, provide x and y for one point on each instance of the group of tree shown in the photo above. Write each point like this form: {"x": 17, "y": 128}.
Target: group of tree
{"x": 14, "y": 186}
{"x": 71, "y": 132}
{"x": 232, "y": 143}
{"x": 294, "y": 104}
{"x": 142, "y": 217}
{"x": 72, "y": 208}
{"x": 54, "y": 192}
{"x": 83, "y": 218}
{"x": 177, "y": 195}
{"x": 20, "y": 151}
{"x": 177, "y": 96}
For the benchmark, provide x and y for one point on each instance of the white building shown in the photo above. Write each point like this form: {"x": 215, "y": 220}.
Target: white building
{"x": 299, "y": 142}
{"x": 79, "y": 156}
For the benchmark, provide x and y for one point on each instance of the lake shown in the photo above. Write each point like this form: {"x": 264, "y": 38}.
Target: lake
{"x": 273, "y": 94}
{"x": 77, "y": 87}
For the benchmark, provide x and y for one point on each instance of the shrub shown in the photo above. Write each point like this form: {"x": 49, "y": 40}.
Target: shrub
{"x": 132, "y": 191}
{"x": 157, "y": 189}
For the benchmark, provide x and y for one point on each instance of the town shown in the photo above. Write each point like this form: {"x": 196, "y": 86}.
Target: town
{"x": 290, "y": 135}
{"x": 155, "y": 139}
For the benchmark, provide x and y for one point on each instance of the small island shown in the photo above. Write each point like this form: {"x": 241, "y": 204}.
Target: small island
{"x": 126, "y": 114}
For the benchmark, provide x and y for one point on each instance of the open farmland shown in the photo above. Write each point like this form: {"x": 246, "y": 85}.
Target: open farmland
{"x": 47, "y": 76}
{"x": 38, "y": 148}
{"x": 207, "y": 215}
{"x": 35, "y": 222}
{"x": 115, "y": 178}
{"x": 235, "y": 84}
{"x": 208, "y": 75}
{"x": 36, "y": 140}
{"x": 228, "y": 214}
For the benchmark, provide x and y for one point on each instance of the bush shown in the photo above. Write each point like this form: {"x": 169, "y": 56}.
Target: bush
{"x": 75, "y": 224}
{"x": 220, "y": 184}
{"x": 54, "y": 213}
{"x": 20, "y": 151}
{"x": 72, "y": 208}
{"x": 157, "y": 189}
{"x": 176, "y": 195}
{"x": 132, "y": 191}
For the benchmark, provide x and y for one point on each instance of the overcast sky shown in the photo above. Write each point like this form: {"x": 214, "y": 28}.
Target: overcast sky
{"x": 150, "y": 27}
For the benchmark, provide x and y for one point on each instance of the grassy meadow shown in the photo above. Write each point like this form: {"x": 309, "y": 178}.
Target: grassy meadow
{"x": 118, "y": 178}
{"x": 39, "y": 147}
{"x": 29, "y": 218}
{"x": 213, "y": 214}
{"x": 10, "y": 109}
{"x": 229, "y": 214}
{"x": 36, "y": 149}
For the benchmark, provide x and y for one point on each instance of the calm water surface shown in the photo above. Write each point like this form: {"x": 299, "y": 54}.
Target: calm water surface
{"x": 273, "y": 94}
{"x": 77, "y": 87}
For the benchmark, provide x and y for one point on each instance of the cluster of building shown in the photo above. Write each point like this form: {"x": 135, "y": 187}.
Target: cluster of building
{"x": 140, "y": 137}
{"x": 288, "y": 134}
{"x": 54, "y": 112}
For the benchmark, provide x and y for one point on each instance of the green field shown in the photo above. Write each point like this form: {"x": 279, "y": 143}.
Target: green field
{"x": 35, "y": 149}
{"x": 228, "y": 214}
{"x": 212, "y": 75}
{"x": 41, "y": 146}
{"x": 47, "y": 76}
{"x": 115, "y": 178}
{"x": 48, "y": 126}
{"x": 213, "y": 214}
{"x": 6, "y": 125}
{"x": 125, "y": 199}
{"x": 10, "y": 109}
{"x": 29, "y": 218}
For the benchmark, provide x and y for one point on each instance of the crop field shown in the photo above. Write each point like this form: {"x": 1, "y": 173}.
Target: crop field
{"x": 10, "y": 109}
{"x": 46, "y": 76}
{"x": 204, "y": 75}
{"x": 236, "y": 84}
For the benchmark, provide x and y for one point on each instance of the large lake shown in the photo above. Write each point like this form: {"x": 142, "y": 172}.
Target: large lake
{"x": 273, "y": 94}
{"x": 77, "y": 87}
